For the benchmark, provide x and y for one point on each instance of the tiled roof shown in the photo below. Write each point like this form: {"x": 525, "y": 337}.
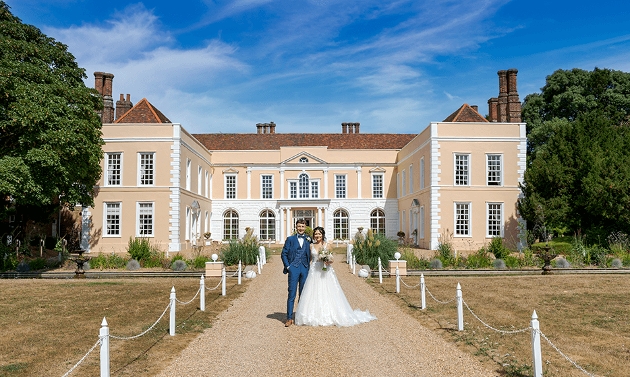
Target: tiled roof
{"x": 143, "y": 112}
{"x": 269, "y": 141}
{"x": 465, "y": 114}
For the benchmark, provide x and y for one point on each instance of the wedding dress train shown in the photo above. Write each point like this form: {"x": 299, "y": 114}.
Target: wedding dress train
{"x": 323, "y": 302}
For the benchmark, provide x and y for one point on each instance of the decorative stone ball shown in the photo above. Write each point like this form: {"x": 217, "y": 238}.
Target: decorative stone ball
{"x": 363, "y": 273}
{"x": 250, "y": 274}
{"x": 215, "y": 257}
{"x": 397, "y": 255}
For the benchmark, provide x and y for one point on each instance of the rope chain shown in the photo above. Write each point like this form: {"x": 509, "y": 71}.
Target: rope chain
{"x": 492, "y": 328}
{"x": 212, "y": 289}
{"x": 191, "y": 300}
{"x": 441, "y": 302}
{"x": 408, "y": 286}
{"x": 144, "y": 332}
{"x": 563, "y": 355}
{"x": 83, "y": 358}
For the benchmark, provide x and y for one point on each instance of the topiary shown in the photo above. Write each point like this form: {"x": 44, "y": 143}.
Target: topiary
{"x": 499, "y": 264}
{"x": 436, "y": 264}
{"x": 133, "y": 265}
{"x": 179, "y": 265}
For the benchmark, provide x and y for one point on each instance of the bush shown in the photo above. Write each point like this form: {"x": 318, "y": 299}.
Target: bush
{"x": 157, "y": 259}
{"x": 104, "y": 261}
{"x": 372, "y": 247}
{"x": 413, "y": 262}
{"x": 562, "y": 263}
{"x": 513, "y": 262}
{"x": 497, "y": 248}
{"x": 37, "y": 264}
{"x": 179, "y": 265}
{"x": 199, "y": 262}
{"x": 133, "y": 265}
{"x": 139, "y": 248}
{"x": 23, "y": 267}
{"x": 480, "y": 259}
{"x": 445, "y": 252}
{"x": 244, "y": 250}
{"x": 435, "y": 264}
{"x": 616, "y": 263}
{"x": 499, "y": 264}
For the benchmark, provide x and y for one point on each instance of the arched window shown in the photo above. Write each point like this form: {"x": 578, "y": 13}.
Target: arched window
{"x": 230, "y": 225}
{"x": 340, "y": 225}
{"x": 377, "y": 221}
{"x": 267, "y": 225}
{"x": 304, "y": 187}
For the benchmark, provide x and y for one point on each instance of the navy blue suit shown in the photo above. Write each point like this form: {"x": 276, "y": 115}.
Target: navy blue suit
{"x": 296, "y": 260}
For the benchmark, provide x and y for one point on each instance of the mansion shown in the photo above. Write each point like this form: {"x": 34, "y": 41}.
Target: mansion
{"x": 458, "y": 178}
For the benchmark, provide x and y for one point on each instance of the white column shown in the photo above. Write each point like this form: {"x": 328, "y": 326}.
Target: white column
{"x": 210, "y": 186}
{"x": 359, "y": 182}
{"x": 289, "y": 221}
{"x": 249, "y": 183}
{"x": 281, "y": 223}
{"x": 319, "y": 216}
{"x": 282, "y": 184}
{"x": 325, "y": 183}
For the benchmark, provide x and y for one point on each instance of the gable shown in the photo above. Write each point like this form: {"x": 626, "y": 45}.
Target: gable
{"x": 302, "y": 158}
{"x": 143, "y": 112}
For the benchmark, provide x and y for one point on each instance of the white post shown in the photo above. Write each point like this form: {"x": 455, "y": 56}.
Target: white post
{"x": 104, "y": 335}
{"x": 354, "y": 265}
{"x": 460, "y": 309}
{"x": 380, "y": 271}
{"x": 223, "y": 281}
{"x": 422, "y": 292}
{"x": 239, "y": 272}
{"x": 397, "y": 279}
{"x": 202, "y": 294}
{"x": 261, "y": 252}
{"x": 536, "y": 352}
{"x": 258, "y": 264}
{"x": 171, "y": 323}
{"x": 349, "y": 248}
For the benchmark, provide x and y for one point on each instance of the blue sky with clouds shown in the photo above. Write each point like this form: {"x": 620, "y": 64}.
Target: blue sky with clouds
{"x": 394, "y": 66}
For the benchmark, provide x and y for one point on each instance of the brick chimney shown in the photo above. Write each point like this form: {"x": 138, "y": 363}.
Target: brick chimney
{"x": 502, "y": 113}
{"x": 350, "y": 128}
{"x": 493, "y": 104}
{"x": 103, "y": 85}
{"x": 122, "y": 105}
{"x": 514, "y": 104}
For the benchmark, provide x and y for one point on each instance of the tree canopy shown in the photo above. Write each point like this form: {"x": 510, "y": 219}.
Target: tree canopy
{"x": 578, "y": 171}
{"x": 50, "y": 145}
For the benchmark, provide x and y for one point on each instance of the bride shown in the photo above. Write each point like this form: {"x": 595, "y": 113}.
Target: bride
{"x": 322, "y": 302}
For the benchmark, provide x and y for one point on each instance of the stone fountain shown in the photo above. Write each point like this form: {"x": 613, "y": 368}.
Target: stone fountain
{"x": 80, "y": 260}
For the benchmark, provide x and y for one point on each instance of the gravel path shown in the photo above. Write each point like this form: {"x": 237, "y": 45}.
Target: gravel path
{"x": 249, "y": 339}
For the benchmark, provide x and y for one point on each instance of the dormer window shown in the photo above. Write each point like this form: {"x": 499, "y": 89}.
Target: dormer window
{"x": 303, "y": 160}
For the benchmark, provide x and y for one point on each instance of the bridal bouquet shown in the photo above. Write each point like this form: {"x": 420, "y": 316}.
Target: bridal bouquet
{"x": 326, "y": 256}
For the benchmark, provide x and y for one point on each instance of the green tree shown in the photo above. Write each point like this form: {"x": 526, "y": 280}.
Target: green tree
{"x": 50, "y": 145}
{"x": 578, "y": 169}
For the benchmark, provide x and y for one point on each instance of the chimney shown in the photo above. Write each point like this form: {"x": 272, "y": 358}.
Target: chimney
{"x": 344, "y": 128}
{"x": 492, "y": 109}
{"x": 513, "y": 102}
{"x": 475, "y": 107}
{"x": 259, "y": 127}
{"x": 502, "y": 107}
{"x": 272, "y": 128}
{"x": 350, "y": 128}
{"x": 122, "y": 105}
{"x": 103, "y": 85}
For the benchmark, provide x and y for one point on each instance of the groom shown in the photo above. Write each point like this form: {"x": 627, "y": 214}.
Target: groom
{"x": 296, "y": 256}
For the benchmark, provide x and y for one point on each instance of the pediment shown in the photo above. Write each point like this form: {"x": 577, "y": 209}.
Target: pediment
{"x": 300, "y": 157}
{"x": 377, "y": 169}
{"x": 230, "y": 171}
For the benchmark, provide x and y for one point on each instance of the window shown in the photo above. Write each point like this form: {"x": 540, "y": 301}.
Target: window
{"x": 494, "y": 169}
{"x": 230, "y": 225}
{"x": 411, "y": 179}
{"x": 340, "y": 186}
{"x": 377, "y": 221}
{"x": 199, "y": 181}
{"x": 266, "y": 182}
{"x": 340, "y": 225}
{"x": 293, "y": 189}
{"x": 112, "y": 219}
{"x": 230, "y": 186}
{"x": 461, "y": 169}
{"x": 267, "y": 225}
{"x": 304, "y": 186}
{"x": 377, "y": 185}
{"x": 398, "y": 185}
{"x": 303, "y": 160}
{"x": 421, "y": 229}
{"x": 314, "y": 189}
{"x": 495, "y": 220}
{"x": 404, "y": 183}
{"x": 188, "y": 174}
{"x": 145, "y": 219}
{"x": 146, "y": 169}
{"x": 462, "y": 219}
{"x": 188, "y": 221}
{"x": 422, "y": 173}
{"x": 114, "y": 169}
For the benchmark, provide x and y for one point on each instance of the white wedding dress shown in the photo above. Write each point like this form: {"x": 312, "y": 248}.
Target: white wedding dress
{"x": 323, "y": 302}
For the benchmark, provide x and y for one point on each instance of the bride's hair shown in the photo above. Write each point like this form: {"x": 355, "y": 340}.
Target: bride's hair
{"x": 322, "y": 231}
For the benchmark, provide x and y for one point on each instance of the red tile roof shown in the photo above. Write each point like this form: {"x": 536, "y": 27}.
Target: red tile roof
{"x": 143, "y": 112}
{"x": 465, "y": 114}
{"x": 269, "y": 141}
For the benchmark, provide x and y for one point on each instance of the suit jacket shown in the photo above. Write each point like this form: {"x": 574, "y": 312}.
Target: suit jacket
{"x": 291, "y": 249}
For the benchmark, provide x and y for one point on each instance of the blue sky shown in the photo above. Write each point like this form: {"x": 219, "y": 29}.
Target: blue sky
{"x": 394, "y": 66}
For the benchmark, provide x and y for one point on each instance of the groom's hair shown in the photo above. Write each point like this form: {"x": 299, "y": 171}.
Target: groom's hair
{"x": 300, "y": 221}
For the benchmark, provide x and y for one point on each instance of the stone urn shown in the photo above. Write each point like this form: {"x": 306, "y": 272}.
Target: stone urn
{"x": 547, "y": 254}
